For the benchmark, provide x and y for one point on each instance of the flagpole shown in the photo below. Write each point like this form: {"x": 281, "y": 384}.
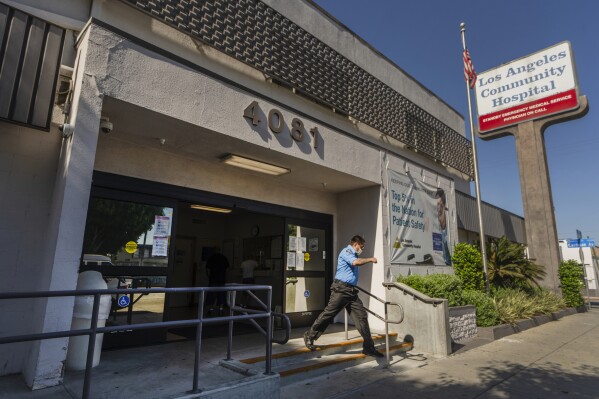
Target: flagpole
{"x": 483, "y": 250}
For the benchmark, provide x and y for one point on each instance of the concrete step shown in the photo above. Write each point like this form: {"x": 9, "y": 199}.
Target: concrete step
{"x": 329, "y": 347}
{"x": 314, "y": 367}
{"x": 301, "y": 363}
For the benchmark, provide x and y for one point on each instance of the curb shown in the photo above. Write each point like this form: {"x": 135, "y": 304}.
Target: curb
{"x": 504, "y": 330}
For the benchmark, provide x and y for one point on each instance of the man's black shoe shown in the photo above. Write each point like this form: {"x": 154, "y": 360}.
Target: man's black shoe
{"x": 309, "y": 342}
{"x": 372, "y": 352}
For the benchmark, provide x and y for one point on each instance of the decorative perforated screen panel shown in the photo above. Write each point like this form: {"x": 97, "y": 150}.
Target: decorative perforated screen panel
{"x": 259, "y": 36}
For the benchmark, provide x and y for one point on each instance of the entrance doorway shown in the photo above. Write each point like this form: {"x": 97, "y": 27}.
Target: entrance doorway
{"x": 210, "y": 245}
{"x": 307, "y": 267}
{"x": 289, "y": 254}
{"x": 182, "y": 229}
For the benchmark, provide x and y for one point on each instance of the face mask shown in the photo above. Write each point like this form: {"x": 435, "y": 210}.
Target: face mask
{"x": 359, "y": 251}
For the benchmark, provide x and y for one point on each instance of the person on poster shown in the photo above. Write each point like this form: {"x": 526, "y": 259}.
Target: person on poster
{"x": 344, "y": 294}
{"x": 442, "y": 215}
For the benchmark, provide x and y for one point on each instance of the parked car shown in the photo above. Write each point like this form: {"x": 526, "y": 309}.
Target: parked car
{"x": 96, "y": 260}
{"x": 102, "y": 260}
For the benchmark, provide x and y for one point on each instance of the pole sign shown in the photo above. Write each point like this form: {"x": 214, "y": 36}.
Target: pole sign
{"x": 529, "y": 88}
{"x": 581, "y": 243}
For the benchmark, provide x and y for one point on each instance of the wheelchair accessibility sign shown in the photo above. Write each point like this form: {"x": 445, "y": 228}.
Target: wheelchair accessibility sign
{"x": 124, "y": 301}
{"x": 307, "y": 294}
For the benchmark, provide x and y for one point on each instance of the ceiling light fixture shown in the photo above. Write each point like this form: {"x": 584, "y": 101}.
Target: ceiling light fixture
{"x": 256, "y": 166}
{"x": 210, "y": 208}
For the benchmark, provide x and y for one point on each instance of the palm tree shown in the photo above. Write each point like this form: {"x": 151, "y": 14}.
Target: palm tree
{"x": 508, "y": 265}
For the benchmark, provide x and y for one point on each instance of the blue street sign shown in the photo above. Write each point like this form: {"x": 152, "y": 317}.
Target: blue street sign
{"x": 124, "y": 301}
{"x": 582, "y": 243}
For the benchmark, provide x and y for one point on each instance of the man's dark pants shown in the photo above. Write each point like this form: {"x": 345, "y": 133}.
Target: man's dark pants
{"x": 344, "y": 296}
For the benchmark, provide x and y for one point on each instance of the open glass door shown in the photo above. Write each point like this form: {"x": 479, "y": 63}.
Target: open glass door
{"x": 307, "y": 271}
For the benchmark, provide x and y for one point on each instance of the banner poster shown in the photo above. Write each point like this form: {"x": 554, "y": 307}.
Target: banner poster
{"x": 419, "y": 222}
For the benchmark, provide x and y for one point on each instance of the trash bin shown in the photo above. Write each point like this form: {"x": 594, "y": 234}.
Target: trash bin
{"x": 82, "y": 315}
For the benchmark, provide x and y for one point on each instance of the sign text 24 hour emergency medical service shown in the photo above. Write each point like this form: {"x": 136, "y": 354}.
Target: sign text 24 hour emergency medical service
{"x": 535, "y": 86}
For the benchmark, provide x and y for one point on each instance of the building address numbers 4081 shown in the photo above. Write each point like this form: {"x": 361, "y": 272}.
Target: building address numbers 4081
{"x": 276, "y": 123}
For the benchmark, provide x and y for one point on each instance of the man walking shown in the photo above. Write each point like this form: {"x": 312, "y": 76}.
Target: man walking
{"x": 344, "y": 294}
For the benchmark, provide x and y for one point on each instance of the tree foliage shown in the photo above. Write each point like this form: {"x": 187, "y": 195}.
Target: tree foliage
{"x": 111, "y": 224}
{"x": 508, "y": 265}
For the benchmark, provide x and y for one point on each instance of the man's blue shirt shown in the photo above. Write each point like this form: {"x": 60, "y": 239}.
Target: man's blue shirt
{"x": 345, "y": 271}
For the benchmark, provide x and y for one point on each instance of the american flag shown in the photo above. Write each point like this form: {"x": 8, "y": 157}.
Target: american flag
{"x": 469, "y": 72}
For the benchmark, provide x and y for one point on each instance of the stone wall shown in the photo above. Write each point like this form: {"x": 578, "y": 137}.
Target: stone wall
{"x": 462, "y": 322}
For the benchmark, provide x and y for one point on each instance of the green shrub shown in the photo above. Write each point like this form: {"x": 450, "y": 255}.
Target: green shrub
{"x": 468, "y": 265}
{"x": 415, "y": 281}
{"x": 445, "y": 286}
{"x": 505, "y": 305}
{"x": 547, "y": 302}
{"x": 570, "y": 276}
{"x": 514, "y": 305}
{"x": 486, "y": 312}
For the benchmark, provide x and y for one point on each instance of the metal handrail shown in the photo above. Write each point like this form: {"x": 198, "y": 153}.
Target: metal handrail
{"x": 407, "y": 290}
{"x": 92, "y": 332}
{"x": 385, "y": 319}
{"x": 283, "y": 317}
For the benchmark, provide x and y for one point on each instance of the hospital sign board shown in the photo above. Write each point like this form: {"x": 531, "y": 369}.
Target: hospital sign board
{"x": 528, "y": 88}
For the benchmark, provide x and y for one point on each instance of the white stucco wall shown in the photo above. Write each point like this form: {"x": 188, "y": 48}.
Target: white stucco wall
{"x": 137, "y": 76}
{"x": 60, "y": 248}
{"x": 45, "y": 181}
{"x": 359, "y": 212}
{"x": 28, "y": 161}
{"x": 156, "y": 33}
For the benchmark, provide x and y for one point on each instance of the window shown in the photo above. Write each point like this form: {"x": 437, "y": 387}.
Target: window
{"x": 128, "y": 233}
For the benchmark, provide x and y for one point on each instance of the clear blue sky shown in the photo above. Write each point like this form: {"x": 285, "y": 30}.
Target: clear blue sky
{"x": 423, "y": 38}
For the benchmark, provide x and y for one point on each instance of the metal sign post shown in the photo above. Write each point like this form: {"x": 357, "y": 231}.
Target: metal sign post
{"x": 581, "y": 243}
{"x": 584, "y": 270}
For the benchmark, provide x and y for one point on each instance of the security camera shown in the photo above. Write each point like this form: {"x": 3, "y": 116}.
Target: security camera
{"x": 66, "y": 129}
{"x": 105, "y": 125}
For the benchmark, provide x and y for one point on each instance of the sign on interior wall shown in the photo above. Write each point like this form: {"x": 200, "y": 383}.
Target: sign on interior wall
{"x": 419, "y": 222}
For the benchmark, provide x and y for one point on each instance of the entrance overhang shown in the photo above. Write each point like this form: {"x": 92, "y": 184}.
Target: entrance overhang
{"x": 145, "y": 129}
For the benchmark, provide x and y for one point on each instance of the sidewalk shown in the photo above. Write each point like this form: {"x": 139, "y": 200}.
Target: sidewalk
{"x": 559, "y": 359}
